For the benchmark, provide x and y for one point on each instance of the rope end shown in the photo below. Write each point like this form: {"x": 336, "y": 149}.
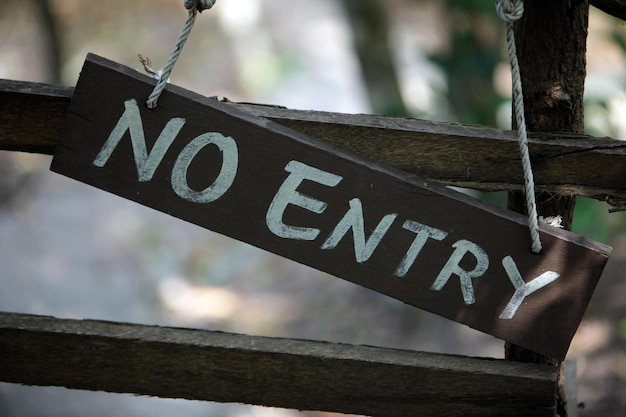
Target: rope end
{"x": 536, "y": 249}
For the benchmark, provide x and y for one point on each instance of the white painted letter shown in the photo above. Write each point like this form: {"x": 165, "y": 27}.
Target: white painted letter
{"x": 228, "y": 171}
{"x": 522, "y": 289}
{"x": 423, "y": 233}
{"x": 354, "y": 219}
{"x": 131, "y": 121}
{"x": 287, "y": 194}
{"x": 452, "y": 268}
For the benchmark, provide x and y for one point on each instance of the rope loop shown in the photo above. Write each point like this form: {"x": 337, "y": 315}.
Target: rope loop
{"x": 510, "y": 10}
{"x": 194, "y": 6}
{"x": 198, "y": 5}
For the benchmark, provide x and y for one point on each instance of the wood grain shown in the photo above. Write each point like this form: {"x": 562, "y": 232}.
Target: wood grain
{"x": 545, "y": 322}
{"x": 31, "y": 116}
{"x": 466, "y": 156}
{"x": 308, "y": 375}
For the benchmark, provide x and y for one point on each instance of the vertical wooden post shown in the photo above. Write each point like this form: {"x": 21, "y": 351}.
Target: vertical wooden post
{"x": 551, "y": 42}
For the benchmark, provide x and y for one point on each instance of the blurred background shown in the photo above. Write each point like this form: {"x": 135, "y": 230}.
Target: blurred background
{"x": 72, "y": 251}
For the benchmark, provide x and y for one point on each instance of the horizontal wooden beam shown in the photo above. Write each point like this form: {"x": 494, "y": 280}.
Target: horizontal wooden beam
{"x": 474, "y": 157}
{"x": 32, "y": 116}
{"x": 31, "y": 120}
{"x": 307, "y": 375}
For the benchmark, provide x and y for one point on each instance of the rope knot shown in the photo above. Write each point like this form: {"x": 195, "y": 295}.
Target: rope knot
{"x": 510, "y": 10}
{"x": 199, "y": 5}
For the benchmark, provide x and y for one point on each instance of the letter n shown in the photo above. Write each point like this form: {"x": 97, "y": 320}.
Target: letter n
{"x": 131, "y": 122}
{"x": 353, "y": 219}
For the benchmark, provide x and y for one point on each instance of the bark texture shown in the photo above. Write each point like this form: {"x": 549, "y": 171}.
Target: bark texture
{"x": 552, "y": 44}
{"x": 551, "y": 41}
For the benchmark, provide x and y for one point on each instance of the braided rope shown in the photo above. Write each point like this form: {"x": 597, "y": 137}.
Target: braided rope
{"x": 194, "y": 6}
{"x": 199, "y": 5}
{"x": 510, "y": 11}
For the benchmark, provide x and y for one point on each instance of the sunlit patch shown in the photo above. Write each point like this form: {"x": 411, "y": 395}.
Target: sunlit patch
{"x": 239, "y": 15}
{"x": 270, "y": 412}
{"x": 191, "y": 302}
{"x": 591, "y": 336}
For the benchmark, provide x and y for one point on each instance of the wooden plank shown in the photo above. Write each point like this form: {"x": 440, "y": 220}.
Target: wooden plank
{"x": 31, "y": 116}
{"x": 300, "y": 198}
{"x": 307, "y": 375}
{"x": 465, "y": 156}
{"x": 473, "y": 157}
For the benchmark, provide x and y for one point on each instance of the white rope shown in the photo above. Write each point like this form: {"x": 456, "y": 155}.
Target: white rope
{"x": 194, "y": 6}
{"x": 510, "y": 11}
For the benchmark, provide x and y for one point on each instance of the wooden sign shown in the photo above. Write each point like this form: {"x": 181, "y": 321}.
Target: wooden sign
{"x": 259, "y": 182}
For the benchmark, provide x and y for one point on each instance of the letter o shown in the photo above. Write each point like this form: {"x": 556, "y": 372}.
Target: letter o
{"x": 228, "y": 171}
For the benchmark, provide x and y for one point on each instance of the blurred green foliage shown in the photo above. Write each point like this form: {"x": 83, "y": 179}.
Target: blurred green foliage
{"x": 469, "y": 64}
{"x": 593, "y": 220}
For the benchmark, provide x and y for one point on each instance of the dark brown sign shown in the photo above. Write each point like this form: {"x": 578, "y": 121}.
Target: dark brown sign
{"x": 259, "y": 182}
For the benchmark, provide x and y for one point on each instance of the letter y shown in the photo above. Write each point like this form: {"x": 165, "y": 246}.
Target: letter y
{"x": 522, "y": 289}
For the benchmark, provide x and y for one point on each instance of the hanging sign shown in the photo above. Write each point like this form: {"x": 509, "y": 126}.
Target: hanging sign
{"x": 208, "y": 163}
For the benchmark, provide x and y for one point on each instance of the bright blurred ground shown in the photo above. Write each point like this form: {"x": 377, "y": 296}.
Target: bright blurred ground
{"x": 72, "y": 251}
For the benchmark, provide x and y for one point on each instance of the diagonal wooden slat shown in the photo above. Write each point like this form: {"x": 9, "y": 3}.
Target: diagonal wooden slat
{"x": 31, "y": 120}
{"x": 308, "y": 375}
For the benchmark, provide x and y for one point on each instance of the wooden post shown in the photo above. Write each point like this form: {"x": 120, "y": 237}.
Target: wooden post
{"x": 551, "y": 42}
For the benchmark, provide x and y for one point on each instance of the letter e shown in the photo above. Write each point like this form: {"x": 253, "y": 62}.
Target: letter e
{"x": 287, "y": 194}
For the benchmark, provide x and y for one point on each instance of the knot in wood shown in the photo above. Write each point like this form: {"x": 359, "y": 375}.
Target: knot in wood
{"x": 199, "y": 5}
{"x": 510, "y": 10}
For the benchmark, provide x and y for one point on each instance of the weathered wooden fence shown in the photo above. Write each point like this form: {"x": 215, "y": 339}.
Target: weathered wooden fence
{"x": 204, "y": 365}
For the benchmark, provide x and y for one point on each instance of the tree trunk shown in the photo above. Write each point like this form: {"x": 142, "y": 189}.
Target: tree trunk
{"x": 551, "y": 42}
{"x": 370, "y": 28}
{"x": 54, "y": 48}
